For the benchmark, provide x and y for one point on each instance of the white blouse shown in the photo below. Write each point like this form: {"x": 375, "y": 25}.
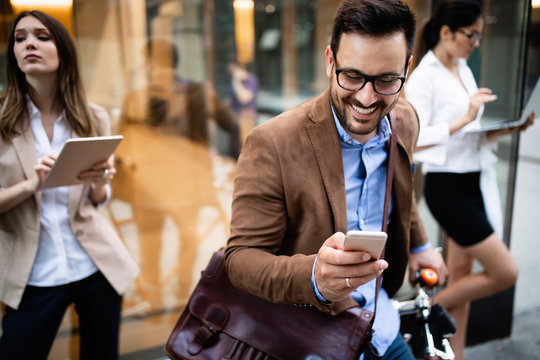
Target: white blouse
{"x": 60, "y": 258}
{"x": 438, "y": 97}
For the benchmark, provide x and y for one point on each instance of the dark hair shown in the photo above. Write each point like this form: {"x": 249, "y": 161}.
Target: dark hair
{"x": 374, "y": 18}
{"x": 454, "y": 14}
{"x": 71, "y": 92}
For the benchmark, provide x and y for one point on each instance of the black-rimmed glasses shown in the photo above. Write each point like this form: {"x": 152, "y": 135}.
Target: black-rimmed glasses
{"x": 472, "y": 35}
{"x": 353, "y": 80}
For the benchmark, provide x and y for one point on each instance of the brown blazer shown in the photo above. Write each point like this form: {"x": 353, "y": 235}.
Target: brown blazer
{"x": 20, "y": 226}
{"x": 289, "y": 197}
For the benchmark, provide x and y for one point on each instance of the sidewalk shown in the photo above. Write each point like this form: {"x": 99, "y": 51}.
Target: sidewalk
{"x": 524, "y": 344}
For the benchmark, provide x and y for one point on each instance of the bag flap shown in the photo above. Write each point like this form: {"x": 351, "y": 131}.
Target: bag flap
{"x": 281, "y": 330}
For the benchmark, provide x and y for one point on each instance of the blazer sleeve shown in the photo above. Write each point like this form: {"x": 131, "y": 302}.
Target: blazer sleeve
{"x": 259, "y": 226}
{"x": 419, "y": 91}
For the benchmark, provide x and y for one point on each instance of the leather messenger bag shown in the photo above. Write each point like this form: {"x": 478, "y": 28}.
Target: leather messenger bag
{"x": 223, "y": 322}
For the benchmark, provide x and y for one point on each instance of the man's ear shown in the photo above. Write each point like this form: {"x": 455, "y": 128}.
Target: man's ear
{"x": 329, "y": 54}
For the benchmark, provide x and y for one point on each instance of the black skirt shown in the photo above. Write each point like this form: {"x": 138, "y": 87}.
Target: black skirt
{"x": 456, "y": 203}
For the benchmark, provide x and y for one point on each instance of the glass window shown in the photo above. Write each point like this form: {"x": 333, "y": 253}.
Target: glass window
{"x": 184, "y": 81}
{"x": 503, "y": 47}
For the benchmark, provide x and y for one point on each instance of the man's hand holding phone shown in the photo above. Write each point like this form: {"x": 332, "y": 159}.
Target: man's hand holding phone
{"x": 338, "y": 271}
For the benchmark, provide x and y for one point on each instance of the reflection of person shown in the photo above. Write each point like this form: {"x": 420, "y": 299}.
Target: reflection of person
{"x": 166, "y": 171}
{"x": 244, "y": 89}
{"x": 179, "y": 106}
{"x": 55, "y": 247}
{"x": 444, "y": 93}
{"x": 300, "y": 185}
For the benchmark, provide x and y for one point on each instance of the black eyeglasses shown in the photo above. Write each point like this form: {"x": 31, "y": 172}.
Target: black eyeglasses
{"x": 353, "y": 80}
{"x": 472, "y": 35}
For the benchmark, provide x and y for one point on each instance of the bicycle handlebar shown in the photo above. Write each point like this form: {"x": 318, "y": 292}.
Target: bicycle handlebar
{"x": 427, "y": 277}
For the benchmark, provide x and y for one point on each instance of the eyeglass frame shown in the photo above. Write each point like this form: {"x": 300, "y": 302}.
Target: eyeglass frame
{"x": 368, "y": 78}
{"x": 472, "y": 35}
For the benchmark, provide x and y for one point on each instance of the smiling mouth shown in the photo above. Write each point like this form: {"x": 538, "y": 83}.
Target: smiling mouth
{"x": 363, "y": 111}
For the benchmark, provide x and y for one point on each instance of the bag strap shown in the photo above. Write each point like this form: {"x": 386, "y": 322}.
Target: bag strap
{"x": 388, "y": 193}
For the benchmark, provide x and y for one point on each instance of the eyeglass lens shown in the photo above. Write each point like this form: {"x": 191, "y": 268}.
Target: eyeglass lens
{"x": 353, "y": 81}
{"x": 473, "y": 36}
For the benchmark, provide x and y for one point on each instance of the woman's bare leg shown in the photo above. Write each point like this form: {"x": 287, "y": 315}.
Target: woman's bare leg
{"x": 500, "y": 272}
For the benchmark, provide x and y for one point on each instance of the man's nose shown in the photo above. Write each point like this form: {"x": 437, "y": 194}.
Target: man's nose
{"x": 367, "y": 95}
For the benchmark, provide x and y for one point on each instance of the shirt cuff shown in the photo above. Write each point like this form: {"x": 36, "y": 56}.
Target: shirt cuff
{"x": 420, "y": 248}
{"x": 314, "y": 284}
{"x": 108, "y": 195}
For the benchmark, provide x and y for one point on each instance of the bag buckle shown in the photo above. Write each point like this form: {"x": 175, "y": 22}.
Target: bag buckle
{"x": 202, "y": 336}
{"x": 216, "y": 316}
{"x": 209, "y": 326}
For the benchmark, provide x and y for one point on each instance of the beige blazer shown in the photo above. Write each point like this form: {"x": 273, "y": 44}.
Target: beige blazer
{"x": 20, "y": 226}
{"x": 289, "y": 197}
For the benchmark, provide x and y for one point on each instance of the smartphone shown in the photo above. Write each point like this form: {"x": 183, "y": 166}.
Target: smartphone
{"x": 371, "y": 242}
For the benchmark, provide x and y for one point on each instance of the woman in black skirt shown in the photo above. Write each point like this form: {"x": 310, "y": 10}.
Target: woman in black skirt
{"x": 457, "y": 161}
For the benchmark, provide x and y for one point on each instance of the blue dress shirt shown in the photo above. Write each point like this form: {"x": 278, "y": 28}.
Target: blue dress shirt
{"x": 365, "y": 171}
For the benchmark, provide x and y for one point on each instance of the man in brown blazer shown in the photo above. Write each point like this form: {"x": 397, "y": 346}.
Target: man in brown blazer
{"x": 318, "y": 170}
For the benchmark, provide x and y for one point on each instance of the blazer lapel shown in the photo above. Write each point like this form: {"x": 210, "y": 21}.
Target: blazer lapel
{"x": 323, "y": 135}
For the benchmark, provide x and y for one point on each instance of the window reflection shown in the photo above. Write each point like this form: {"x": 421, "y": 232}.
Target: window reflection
{"x": 166, "y": 178}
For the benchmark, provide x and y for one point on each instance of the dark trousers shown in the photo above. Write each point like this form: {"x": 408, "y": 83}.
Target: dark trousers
{"x": 399, "y": 350}
{"x": 28, "y": 333}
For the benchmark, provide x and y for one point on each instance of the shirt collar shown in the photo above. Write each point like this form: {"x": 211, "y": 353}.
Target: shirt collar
{"x": 33, "y": 111}
{"x": 431, "y": 59}
{"x": 384, "y": 132}
{"x": 35, "y": 114}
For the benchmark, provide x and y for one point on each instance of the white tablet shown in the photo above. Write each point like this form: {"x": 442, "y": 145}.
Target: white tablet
{"x": 79, "y": 154}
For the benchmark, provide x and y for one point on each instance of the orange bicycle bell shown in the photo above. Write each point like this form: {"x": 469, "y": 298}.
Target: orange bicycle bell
{"x": 429, "y": 277}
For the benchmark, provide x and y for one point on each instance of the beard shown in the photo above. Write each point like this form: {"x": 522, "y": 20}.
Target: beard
{"x": 354, "y": 126}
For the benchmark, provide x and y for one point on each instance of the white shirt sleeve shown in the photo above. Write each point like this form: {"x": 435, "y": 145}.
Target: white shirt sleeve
{"x": 420, "y": 91}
